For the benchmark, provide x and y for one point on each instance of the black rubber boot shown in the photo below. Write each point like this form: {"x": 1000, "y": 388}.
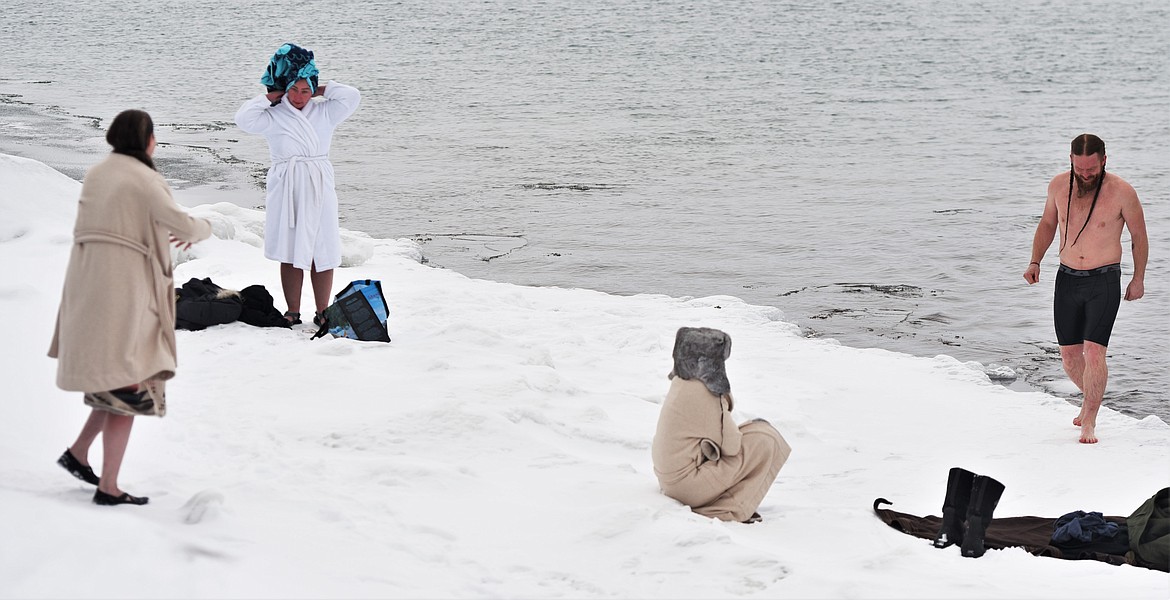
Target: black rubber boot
{"x": 954, "y": 510}
{"x": 985, "y": 493}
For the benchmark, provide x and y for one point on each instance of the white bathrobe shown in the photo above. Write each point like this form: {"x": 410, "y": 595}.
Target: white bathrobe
{"x": 301, "y": 226}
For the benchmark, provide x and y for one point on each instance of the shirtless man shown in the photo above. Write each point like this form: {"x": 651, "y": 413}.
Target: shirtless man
{"x": 1089, "y": 209}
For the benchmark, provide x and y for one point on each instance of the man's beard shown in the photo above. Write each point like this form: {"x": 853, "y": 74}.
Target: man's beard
{"x": 1085, "y": 186}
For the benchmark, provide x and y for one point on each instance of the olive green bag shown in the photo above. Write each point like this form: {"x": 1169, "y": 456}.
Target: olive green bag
{"x": 1149, "y": 532}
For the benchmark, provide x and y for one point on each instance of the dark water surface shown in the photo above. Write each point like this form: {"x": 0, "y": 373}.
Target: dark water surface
{"x": 874, "y": 169}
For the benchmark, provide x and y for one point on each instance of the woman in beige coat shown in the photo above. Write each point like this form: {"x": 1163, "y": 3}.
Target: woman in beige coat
{"x": 115, "y": 334}
{"x": 701, "y": 458}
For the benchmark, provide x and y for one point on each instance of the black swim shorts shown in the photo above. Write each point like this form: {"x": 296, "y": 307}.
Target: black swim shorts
{"x": 1085, "y": 303}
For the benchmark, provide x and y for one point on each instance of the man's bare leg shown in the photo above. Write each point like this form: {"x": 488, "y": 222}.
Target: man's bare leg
{"x": 1096, "y": 375}
{"x": 322, "y": 287}
{"x": 1073, "y": 358}
{"x": 291, "y": 281}
{"x": 89, "y": 432}
{"x": 115, "y": 436}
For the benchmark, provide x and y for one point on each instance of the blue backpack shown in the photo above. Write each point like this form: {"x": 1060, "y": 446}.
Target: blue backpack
{"x": 358, "y": 312}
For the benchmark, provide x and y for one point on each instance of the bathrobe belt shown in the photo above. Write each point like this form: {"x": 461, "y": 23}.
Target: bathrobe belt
{"x": 316, "y": 177}
{"x": 161, "y": 274}
{"x": 82, "y": 237}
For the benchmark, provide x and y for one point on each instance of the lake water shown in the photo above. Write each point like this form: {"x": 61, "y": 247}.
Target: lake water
{"x": 875, "y": 170}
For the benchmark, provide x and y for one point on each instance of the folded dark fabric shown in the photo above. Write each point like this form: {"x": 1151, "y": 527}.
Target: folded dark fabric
{"x": 1080, "y": 526}
{"x": 200, "y": 303}
{"x": 1079, "y": 534}
{"x": 258, "y": 309}
{"x": 199, "y": 287}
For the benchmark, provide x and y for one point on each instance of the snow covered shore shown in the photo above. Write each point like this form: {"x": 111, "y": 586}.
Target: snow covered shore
{"x": 499, "y": 447}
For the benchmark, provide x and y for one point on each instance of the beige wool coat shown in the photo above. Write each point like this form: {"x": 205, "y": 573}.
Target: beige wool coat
{"x": 116, "y": 323}
{"x": 704, "y": 460}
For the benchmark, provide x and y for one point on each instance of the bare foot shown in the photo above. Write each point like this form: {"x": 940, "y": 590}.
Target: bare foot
{"x": 1080, "y": 418}
{"x": 1088, "y": 435}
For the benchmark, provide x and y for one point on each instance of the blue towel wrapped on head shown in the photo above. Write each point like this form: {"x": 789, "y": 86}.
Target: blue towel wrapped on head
{"x": 290, "y": 64}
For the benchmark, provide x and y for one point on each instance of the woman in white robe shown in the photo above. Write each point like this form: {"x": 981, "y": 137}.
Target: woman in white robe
{"x": 301, "y": 230}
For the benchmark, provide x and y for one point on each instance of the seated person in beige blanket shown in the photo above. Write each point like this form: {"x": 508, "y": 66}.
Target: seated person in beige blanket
{"x": 701, "y": 457}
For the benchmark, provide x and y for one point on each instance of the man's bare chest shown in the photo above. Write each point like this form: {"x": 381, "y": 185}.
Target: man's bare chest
{"x": 1099, "y": 211}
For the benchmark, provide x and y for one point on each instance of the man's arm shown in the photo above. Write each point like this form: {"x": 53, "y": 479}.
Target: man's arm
{"x": 1135, "y": 221}
{"x": 1045, "y": 233}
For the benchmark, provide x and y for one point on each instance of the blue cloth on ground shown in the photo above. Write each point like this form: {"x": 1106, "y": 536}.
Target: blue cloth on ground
{"x": 1079, "y": 526}
{"x": 290, "y": 64}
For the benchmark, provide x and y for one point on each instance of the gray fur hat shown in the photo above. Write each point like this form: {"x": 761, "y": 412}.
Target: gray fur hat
{"x": 699, "y": 353}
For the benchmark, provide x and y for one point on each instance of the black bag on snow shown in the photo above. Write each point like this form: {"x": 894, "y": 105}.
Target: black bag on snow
{"x": 358, "y": 312}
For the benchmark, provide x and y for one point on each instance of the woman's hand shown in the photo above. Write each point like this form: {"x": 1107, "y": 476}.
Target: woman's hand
{"x": 274, "y": 97}
{"x": 320, "y": 91}
{"x": 180, "y": 244}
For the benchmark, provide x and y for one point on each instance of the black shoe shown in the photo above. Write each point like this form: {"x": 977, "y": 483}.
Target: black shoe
{"x": 103, "y": 499}
{"x": 954, "y": 510}
{"x": 755, "y": 518}
{"x": 985, "y": 493}
{"x": 293, "y": 318}
{"x": 75, "y": 468}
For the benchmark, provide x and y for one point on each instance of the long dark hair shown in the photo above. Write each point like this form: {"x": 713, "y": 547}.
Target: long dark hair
{"x": 130, "y": 133}
{"x": 1085, "y": 144}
